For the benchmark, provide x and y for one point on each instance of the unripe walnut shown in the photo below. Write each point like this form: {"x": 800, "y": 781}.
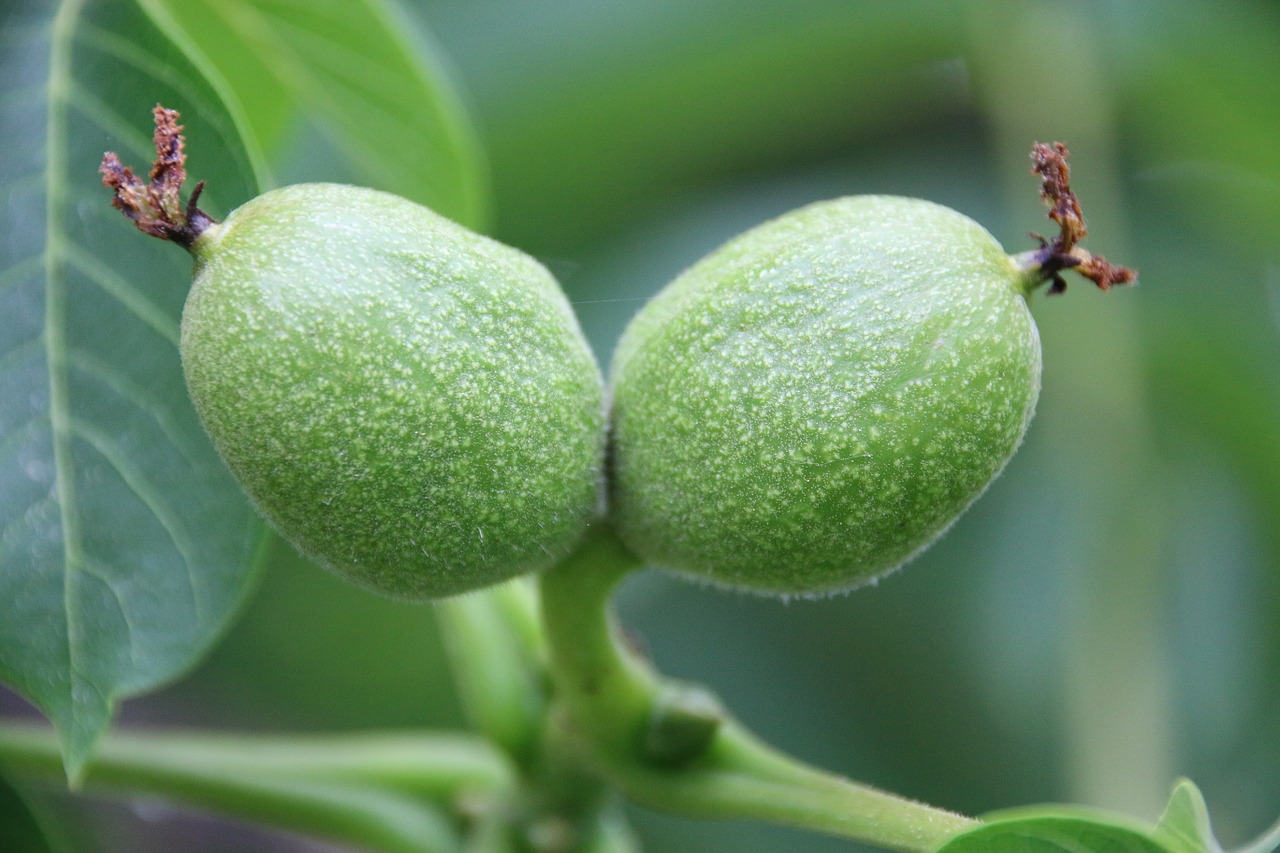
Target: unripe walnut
{"x": 816, "y": 401}
{"x": 409, "y": 403}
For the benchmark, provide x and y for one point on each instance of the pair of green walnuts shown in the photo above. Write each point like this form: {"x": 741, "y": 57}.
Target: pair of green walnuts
{"x": 414, "y": 406}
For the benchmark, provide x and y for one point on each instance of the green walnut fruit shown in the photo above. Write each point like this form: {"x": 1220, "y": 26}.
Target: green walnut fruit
{"x": 816, "y": 401}
{"x": 409, "y": 403}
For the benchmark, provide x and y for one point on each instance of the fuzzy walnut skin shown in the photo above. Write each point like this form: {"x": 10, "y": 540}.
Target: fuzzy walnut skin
{"x": 819, "y": 399}
{"x": 409, "y": 403}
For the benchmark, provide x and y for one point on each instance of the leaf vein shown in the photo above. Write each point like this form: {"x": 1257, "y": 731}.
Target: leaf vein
{"x": 56, "y": 134}
{"x": 103, "y": 575}
{"x": 137, "y": 483}
{"x": 122, "y": 291}
{"x": 367, "y": 80}
{"x": 140, "y": 398}
{"x": 336, "y": 52}
{"x": 131, "y": 53}
{"x": 110, "y": 119}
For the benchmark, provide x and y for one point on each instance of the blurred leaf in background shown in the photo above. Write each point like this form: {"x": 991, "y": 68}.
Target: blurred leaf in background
{"x": 360, "y": 74}
{"x": 21, "y": 830}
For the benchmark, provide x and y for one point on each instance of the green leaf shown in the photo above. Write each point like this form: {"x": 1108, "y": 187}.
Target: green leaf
{"x": 1201, "y": 113}
{"x": 1055, "y": 829}
{"x": 1184, "y": 826}
{"x": 595, "y": 111}
{"x": 125, "y": 546}
{"x": 21, "y": 831}
{"x": 356, "y": 70}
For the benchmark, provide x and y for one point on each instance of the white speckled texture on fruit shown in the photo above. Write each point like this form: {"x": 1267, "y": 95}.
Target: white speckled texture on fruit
{"x": 411, "y": 404}
{"x": 816, "y": 401}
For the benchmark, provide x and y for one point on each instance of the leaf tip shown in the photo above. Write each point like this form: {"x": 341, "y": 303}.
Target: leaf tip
{"x": 1184, "y": 826}
{"x": 78, "y": 738}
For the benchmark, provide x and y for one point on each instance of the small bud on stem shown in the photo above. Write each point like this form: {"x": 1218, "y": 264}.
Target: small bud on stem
{"x": 156, "y": 207}
{"x": 1062, "y": 252}
{"x": 682, "y": 724}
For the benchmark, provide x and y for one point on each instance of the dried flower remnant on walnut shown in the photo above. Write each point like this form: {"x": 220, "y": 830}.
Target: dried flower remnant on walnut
{"x": 1049, "y": 161}
{"x": 156, "y": 207}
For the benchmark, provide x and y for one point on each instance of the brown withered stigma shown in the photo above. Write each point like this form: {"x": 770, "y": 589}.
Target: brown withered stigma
{"x": 156, "y": 207}
{"x": 1063, "y": 252}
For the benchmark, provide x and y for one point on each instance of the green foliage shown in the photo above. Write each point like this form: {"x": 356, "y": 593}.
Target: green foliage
{"x": 20, "y": 829}
{"x": 1055, "y": 831}
{"x": 1184, "y": 826}
{"x": 111, "y": 585}
{"x": 359, "y": 70}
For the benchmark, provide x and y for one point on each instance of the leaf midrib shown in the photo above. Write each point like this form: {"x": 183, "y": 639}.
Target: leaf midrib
{"x": 54, "y": 327}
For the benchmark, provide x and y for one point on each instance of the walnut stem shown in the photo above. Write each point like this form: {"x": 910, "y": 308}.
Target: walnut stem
{"x": 156, "y": 208}
{"x": 1063, "y": 252}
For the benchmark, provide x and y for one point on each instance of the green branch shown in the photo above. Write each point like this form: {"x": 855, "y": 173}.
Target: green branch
{"x": 494, "y": 648}
{"x": 610, "y": 697}
{"x": 385, "y": 792}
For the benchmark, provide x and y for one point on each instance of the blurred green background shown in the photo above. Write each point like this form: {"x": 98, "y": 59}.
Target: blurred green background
{"x": 1107, "y": 618}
